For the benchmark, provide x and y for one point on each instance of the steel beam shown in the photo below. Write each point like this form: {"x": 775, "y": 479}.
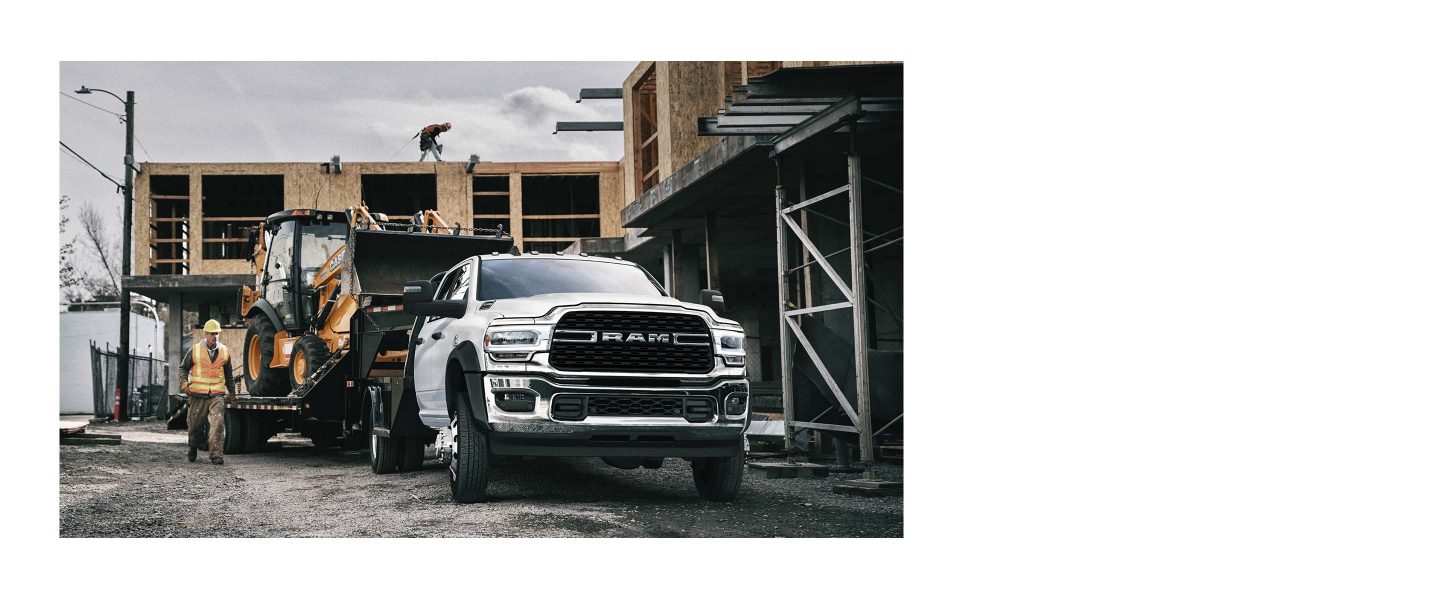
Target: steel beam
{"x": 815, "y": 309}
{"x": 887, "y": 425}
{"x": 839, "y": 190}
{"x": 600, "y": 94}
{"x": 824, "y": 372}
{"x": 589, "y": 126}
{"x": 829, "y": 270}
{"x": 862, "y": 316}
{"x": 824, "y": 426}
{"x": 841, "y": 113}
{"x": 787, "y": 362}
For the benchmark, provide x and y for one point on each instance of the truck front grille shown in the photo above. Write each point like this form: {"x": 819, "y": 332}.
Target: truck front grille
{"x": 696, "y": 409}
{"x": 632, "y": 356}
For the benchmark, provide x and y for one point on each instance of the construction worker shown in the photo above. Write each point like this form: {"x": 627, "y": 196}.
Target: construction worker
{"x": 427, "y": 140}
{"x": 206, "y": 379}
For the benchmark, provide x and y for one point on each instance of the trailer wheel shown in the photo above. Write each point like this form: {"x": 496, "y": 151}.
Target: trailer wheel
{"x": 718, "y": 479}
{"x": 470, "y": 466}
{"x": 260, "y": 378}
{"x": 235, "y": 431}
{"x": 306, "y": 357}
{"x": 257, "y": 432}
{"x": 384, "y": 454}
{"x": 412, "y": 453}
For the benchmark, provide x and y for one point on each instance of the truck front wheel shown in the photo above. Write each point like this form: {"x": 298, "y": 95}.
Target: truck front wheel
{"x": 470, "y": 466}
{"x": 384, "y": 454}
{"x": 718, "y": 479}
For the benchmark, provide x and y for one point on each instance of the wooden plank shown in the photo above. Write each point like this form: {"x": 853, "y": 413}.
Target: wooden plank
{"x": 493, "y": 216}
{"x": 169, "y": 219}
{"x": 223, "y": 240}
{"x": 490, "y": 193}
{"x": 168, "y": 260}
{"x": 154, "y": 241}
{"x": 553, "y": 217}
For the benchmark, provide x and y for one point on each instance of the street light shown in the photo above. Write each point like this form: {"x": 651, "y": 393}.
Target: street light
{"x": 122, "y": 376}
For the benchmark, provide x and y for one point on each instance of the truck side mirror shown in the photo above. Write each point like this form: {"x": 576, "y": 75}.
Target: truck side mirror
{"x": 713, "y": 299}
{"x": 420, "y": 301}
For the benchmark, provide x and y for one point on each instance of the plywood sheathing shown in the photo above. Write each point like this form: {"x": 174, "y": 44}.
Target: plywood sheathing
{"x": 308, "y": 186}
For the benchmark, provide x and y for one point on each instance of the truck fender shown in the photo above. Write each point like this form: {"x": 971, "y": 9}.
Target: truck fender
{"x": 262, "y": 306}
{"x": 464, "y": 369}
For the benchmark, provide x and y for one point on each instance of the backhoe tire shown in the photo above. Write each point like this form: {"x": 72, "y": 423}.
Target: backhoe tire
{"x": 306, "y": 356}
{"x": 470, "y": 466}
{"x": 260, "y": 378}
{"x": 384, "y": 454}
{"x": 718, "y": 479}
{"x": 236, "y": 429}
{"x": 412, "y": 453}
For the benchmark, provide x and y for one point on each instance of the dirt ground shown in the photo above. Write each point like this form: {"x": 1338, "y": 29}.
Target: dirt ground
{"x": 145, "y": 488}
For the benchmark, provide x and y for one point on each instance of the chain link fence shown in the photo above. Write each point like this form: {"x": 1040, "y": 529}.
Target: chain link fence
{"x": 149, "y": 381}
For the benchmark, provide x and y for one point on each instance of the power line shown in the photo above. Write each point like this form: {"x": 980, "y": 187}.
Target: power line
{"x": 97, "y": 169}
{"x": 122, "y": 117}
{"x": 143, "y": 148}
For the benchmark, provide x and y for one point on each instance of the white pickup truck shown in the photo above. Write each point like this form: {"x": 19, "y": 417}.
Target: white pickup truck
{"x": 564, "y": 355}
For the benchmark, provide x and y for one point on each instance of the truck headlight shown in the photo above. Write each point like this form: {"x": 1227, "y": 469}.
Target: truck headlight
{"x": 730, "y": 346}
{"x": 514, "y": 344}
{"x": 514, "y": 337}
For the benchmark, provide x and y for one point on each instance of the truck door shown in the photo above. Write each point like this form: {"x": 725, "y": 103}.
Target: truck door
{"x": 433, "y": 342}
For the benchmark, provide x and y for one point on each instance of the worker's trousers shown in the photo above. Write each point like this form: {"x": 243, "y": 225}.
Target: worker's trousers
{"x": 428, "y": 146}
{"x": 213, "y": 409}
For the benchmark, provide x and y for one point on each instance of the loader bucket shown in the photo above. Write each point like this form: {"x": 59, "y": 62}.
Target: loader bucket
{"x": 385, "y": 260}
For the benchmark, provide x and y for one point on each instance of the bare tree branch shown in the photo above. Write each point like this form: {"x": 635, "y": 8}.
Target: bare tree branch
{"x": 98, "y": 242}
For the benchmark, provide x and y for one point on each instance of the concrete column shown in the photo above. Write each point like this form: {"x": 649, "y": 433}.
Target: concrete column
{"x": 174, "y": 338}
{"x": 667, "y": 268}
{"x": 712, "y": 254}
{"x": 676, "y": 275}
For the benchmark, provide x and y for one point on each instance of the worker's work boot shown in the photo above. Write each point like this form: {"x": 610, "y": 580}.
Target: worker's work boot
{"x": 191, "y": 455}
{"x": 217, "y": 461}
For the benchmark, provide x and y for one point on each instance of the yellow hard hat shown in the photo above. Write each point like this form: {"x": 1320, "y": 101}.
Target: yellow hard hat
{"x": 212, "y": 326}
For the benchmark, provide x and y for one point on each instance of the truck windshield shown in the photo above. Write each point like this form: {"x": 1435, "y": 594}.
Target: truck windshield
{"x": 523, "y": 277}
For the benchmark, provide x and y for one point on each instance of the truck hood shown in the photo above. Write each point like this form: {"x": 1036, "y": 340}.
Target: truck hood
{"x": 535, "y": 307}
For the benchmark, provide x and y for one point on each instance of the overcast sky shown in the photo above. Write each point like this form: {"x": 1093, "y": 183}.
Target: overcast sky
{"x": 309, "y": 111}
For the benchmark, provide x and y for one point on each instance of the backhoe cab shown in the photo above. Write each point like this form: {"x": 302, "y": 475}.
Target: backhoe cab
{"x": 315, "y": 270}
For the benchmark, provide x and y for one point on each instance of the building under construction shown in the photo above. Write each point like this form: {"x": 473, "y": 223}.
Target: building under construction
{"x": 193, "y": 221}
{"x": 778, "y": 183}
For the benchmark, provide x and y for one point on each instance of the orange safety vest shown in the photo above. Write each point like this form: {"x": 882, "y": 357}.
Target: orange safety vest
{"x": 207, "y": 376}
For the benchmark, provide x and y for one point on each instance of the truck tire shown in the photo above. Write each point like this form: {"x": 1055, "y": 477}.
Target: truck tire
{"x": 412, "y": 453}
{"x": 306, "y": 356}
{"x": 235, "y": 431}
{"x": 260, "y": 378}
{"x": 257, "y": 432}
{"x": 718, "y": 479}
{"x": 470, "y": 466}
{"x": 384, "y": 454}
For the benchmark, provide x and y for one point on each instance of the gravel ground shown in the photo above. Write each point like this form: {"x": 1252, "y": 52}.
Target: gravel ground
{"x": 145, "y": 488}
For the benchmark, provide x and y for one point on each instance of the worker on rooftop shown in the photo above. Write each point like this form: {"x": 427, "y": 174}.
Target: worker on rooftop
{"x": 205, "y": 378}
{"x": 427, "y": 140}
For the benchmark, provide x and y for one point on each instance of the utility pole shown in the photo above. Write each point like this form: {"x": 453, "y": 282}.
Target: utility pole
{"x": 122, "y": 378}
{"x": 122, "y": 374}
